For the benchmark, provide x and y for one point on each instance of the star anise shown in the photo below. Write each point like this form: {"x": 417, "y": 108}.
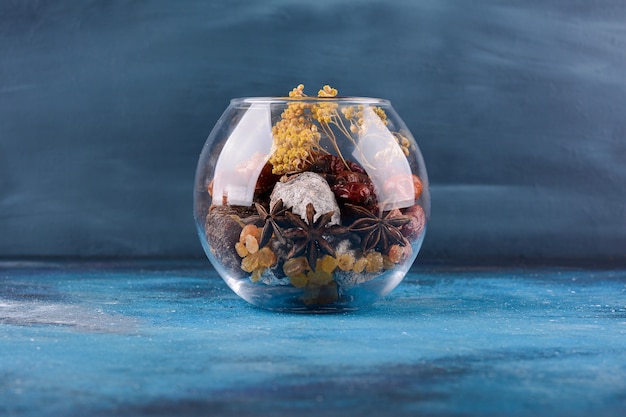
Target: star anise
{"x": 309, "y": 236}
{"x": 272, "y": 222}
{"x": 378, "y": 230}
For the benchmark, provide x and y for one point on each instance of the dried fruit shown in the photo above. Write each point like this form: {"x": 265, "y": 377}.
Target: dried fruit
{"x": 415, "y": 226}
{"x": 256, "y": 275}
{"x": 354, "y": 193}
{"x": 374, "y": 262}
{"x": 327, "y": 293}
{"x": 345, "y": 261}
{"x": 266, "y": 180}
{"x": 266, "y": 257}
{"x": 327, "y": 264}
{"x": 388, "y": 263}
{"x": 338, "y": 166}
{"x": 329, "y": 164}
{"x": 252, "y": 245}
{"x": 417, "y": 183}
{"x": 250, "y": 263}
{"x": 319, "y": 277}
{"x": 250, "y": 229}
{"x": 310, "y": 296}
{"x": 351, "y": 176}
{"x": 320, "y": 295}
{"x": 359, "y": 266}
{"x": 295, "y": 266}
{"x": 241, "y": 249}
{"x": 299, "y": 280}
{"x": 395, "y": 253}
{"x": 403, "y": 187}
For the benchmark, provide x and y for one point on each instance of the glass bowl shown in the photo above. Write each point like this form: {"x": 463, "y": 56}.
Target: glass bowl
{"x": 311, "y": 204}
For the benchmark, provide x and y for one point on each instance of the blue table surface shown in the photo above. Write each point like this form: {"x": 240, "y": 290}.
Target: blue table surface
{"x": 169, "y": 338}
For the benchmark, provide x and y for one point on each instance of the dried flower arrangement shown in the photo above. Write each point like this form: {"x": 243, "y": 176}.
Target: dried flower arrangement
{"x": 319, "y": 221}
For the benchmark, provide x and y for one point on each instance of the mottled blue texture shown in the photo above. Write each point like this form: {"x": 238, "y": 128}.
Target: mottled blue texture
{"x": 140, "y": 339}
{"x": 517, "y": 105}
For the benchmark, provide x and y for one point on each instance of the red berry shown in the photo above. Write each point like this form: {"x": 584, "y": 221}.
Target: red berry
{"x": 348, "y": 176}
{"x": 416, "y": 226}
{"x": 354, "y": 167}
{"x": 336, "y": 165}
{"x": 266, "y": 180}
{"x": 353, "y": 192}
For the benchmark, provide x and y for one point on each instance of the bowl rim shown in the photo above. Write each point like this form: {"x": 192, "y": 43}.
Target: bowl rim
{"x": 287, "y": 100}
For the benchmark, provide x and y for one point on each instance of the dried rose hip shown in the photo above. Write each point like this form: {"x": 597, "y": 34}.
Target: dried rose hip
{"x": 354, "y": 167}
{"x": 332, "y": 164}
{"x": 353, "y": 192}
{"x": 266, "y": 180}
{"x": 404, "y": 187}
{"x": 350, "y": 176}
{"x": 336, "y": 165}
{"x": 349, "y": 182}
{"x": 328, "y": 164}
{"x": 417, "y": 183}
{"x": 415, "y": 227}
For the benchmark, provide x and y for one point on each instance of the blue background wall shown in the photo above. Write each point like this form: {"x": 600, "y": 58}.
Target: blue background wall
{"x": 519, "y": 108}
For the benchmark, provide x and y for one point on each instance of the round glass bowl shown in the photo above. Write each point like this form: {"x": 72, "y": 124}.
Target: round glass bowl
{"x": 311, "y": 204}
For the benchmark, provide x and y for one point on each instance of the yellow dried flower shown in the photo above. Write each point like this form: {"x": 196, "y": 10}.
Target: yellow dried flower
{"x": 358, "y": 122}
{"x": 348, "y": 112}
{"x": 295, "y": 139}
{"x": 403, "y": 142}
{"x": 324, "y": 112}
{"x": 327, "y": 91}
{"x": 298, "y": 91}
{"x": 381, "y": 113}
